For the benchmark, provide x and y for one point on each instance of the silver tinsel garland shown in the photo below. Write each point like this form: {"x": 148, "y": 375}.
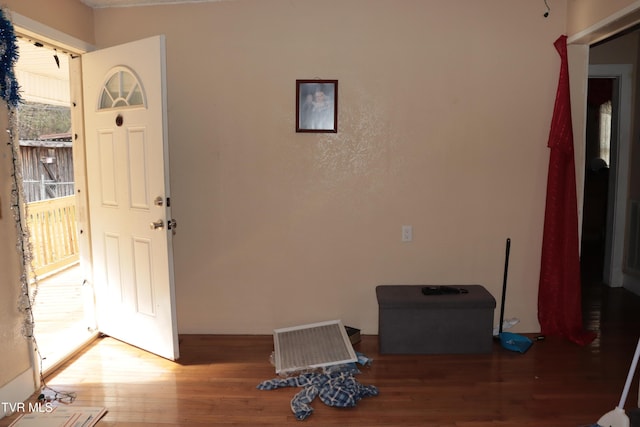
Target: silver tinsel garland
{"x": 9, "y": 92}
{"x": 28, "y": 279}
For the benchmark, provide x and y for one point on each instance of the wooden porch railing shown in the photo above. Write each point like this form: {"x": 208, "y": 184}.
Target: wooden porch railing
{"x": 54, "y": 238}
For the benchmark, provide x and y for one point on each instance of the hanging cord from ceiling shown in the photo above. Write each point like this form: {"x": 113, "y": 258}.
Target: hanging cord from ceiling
{"x": 546, "y": 13}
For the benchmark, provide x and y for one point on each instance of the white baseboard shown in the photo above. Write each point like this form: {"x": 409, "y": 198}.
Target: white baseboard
{"x": 16, "y": 391}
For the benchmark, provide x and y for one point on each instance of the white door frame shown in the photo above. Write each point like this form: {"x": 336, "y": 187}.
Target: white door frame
{"x": 618, "y": 185}
{"x": 579, "y": 72}
{"x": 30, "y": 28}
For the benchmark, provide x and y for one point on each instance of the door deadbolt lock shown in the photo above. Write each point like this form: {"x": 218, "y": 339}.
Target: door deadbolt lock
{"x": 158, "y": 201}
{"x": 157, "y": 224}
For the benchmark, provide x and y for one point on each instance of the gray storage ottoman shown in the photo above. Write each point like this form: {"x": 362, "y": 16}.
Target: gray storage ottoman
{"x": 413, "y": 323}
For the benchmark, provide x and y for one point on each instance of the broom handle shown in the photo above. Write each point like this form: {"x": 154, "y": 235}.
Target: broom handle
{"x": 504, "y": 284}
{"x": 627, "y": 385}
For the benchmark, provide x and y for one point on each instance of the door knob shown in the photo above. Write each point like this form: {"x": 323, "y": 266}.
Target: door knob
{"x": 157, "y": 224}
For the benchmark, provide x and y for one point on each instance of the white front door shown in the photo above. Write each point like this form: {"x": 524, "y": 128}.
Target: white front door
{"x": 128, "y": 190}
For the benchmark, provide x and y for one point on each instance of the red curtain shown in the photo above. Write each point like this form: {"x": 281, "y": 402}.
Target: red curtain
{"x": 559, "y": 294}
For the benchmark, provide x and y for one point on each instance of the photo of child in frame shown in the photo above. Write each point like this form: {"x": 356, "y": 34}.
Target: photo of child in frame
{"x": 316, "y": 105}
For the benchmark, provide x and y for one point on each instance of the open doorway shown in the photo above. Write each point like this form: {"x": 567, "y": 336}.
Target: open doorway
{"x": 100, "y": 75}
{"x": 607, "y": 167}
{"x": 62, "y": 317}
{"x": 600, "y": 117}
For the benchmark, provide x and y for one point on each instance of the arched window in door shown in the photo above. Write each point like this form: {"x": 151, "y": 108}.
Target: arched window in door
{"x": 122, "y": 89}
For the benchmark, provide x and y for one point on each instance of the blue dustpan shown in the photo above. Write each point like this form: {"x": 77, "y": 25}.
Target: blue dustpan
{"x": 510, "y": 341}
{"x": 515, "y": 342}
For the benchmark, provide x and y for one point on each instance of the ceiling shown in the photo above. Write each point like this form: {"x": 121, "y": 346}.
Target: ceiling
{"x": 42, "y": 73}
{"x": 126, "y": 3}
{"x": 41, "y": 60}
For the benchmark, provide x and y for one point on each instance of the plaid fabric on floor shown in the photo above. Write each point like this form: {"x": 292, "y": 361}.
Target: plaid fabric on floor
{"x": 339, "y": 389}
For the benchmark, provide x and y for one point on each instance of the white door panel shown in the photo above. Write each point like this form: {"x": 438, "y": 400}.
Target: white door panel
{"x": 126, "y": 148}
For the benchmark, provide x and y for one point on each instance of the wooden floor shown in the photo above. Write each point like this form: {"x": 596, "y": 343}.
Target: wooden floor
{"x": 555, "y": 383}
{"x": 60, "y": 315}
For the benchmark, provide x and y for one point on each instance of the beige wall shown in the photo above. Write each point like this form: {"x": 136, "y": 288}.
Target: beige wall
{"x": 13, "y": 346}
{"x": 444, "y": 114}
{"x": 582, "y": 14}
{"x": 71, "y": 17}
{"x": 443, "y": 125}
{"x": 589, "y": 21}
{"x": 621, "y": 50}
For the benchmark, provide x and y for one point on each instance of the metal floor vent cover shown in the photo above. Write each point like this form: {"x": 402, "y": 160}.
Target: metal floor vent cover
{"x": 312, "y": 346}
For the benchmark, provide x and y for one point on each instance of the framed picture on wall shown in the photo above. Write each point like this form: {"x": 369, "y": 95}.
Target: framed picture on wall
{"x": 317, "y": 106}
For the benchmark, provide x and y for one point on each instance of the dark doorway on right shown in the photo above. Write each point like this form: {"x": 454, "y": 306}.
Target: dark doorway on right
{"x": 596, "y": 181}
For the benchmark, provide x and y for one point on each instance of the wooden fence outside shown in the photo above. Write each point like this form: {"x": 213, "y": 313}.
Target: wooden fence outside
{"x": 54, "y": 238}
{"x": 47, "y": 169}
{"x": 45, "y": 189}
